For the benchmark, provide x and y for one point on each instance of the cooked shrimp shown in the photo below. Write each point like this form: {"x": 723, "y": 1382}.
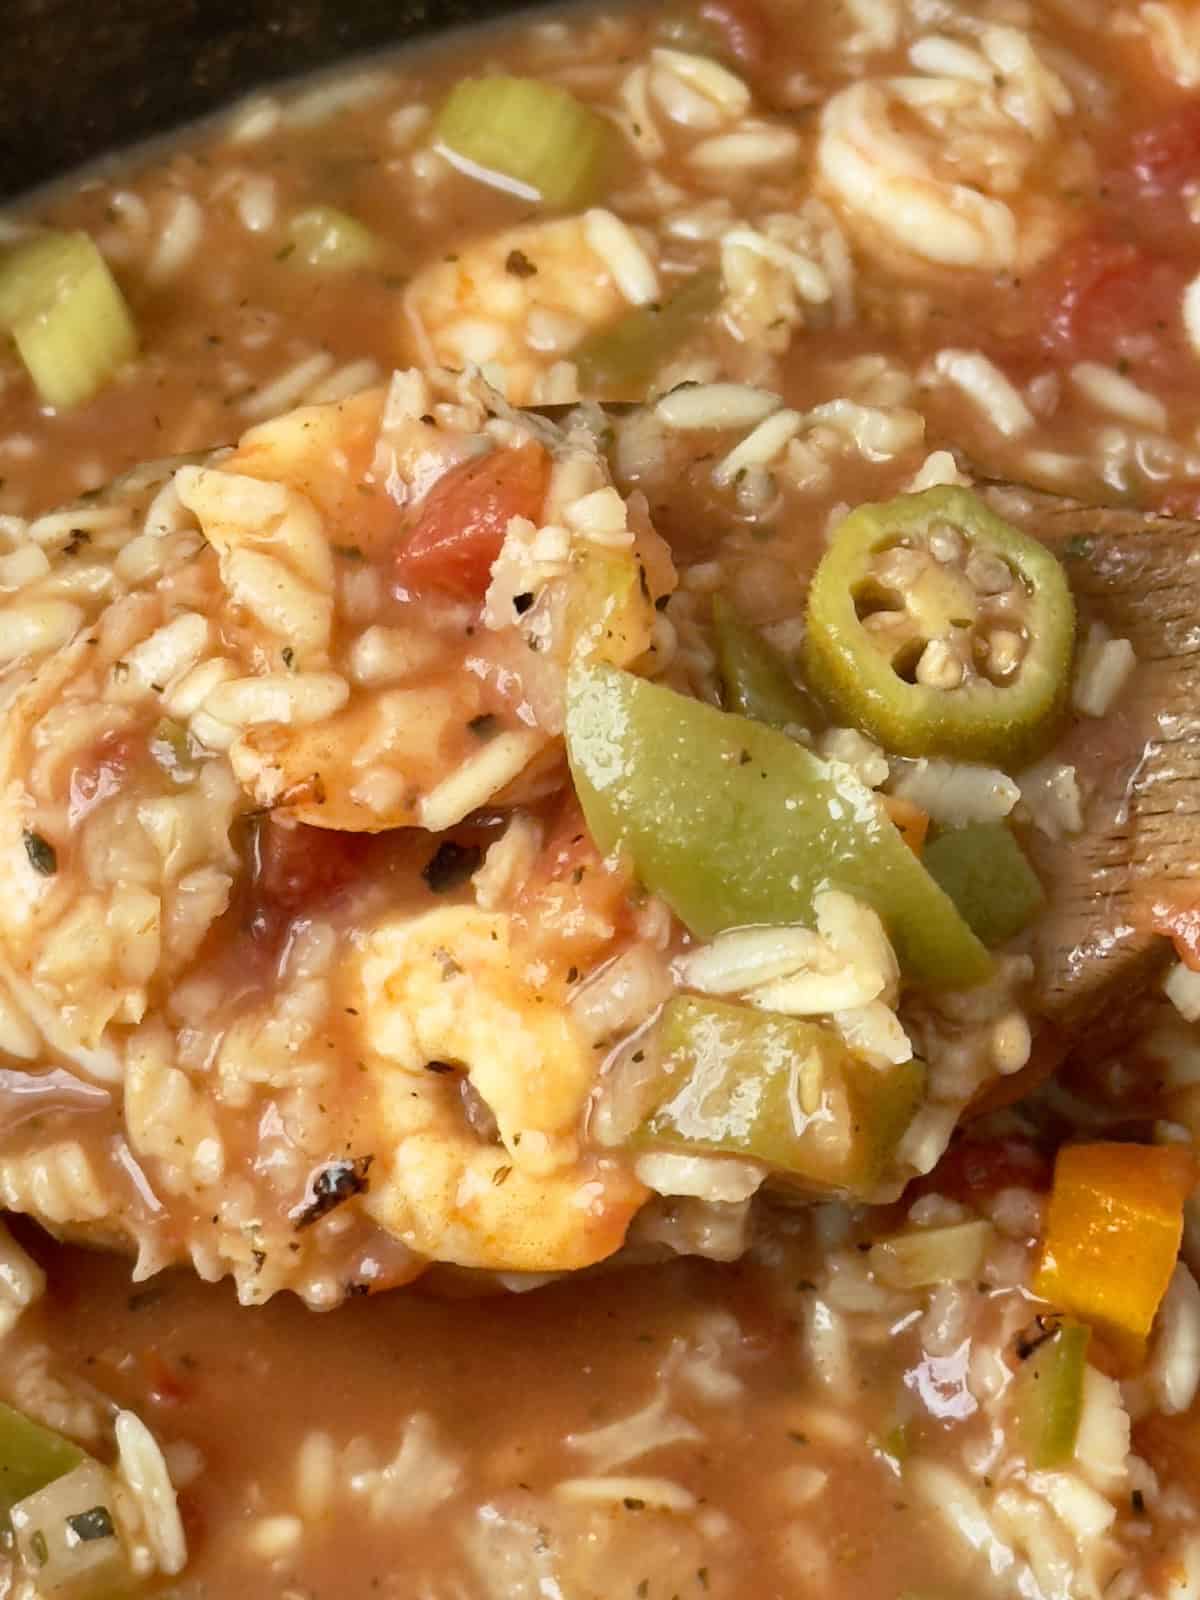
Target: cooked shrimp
{"x": 376, "y": 628}
{"x": 935, "y": 165}
{"x": 516, "y": 303}
{"x": 341, "y": 700}
{"x": 108, "y": 886}
{"x": 453, "y": 1025}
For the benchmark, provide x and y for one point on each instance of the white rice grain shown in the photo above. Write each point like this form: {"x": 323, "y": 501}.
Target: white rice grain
{"x": 622, "y": 994}
{"x": 1182, "y": 988}
{"x": 140, "y": 1462}
{"x": 37, "y": 627}
{"x": 270, "y": 1538}
{"x": 346, "y": 380}
{"x": 877, "y": 433}
{"x": 716, "y": 405}
{"x": 295, "y": 699}
{"x": 743, "y": 958}
{"x": 618, "y": 1443}
{"x": 753, "y": 145}
{"x": 618, "y": 247}
{"x": 22, "y": 1281}
{"x": 985, "y": 385}
{"x": 508, "y": 862}
{"x": 635, "y": 1494}
{"x": 758, "y": 448}
{"x": 319, "y": 104}
{"x": 289, "y": 388}
{"x": 255, "y": 119}
{"x": 1104, "y": 667}
{"x": 1174, "y": 1368}
{"x": 177, "y": 241}
{"x": 715, "y": 82}
{"x": 810, "y": 280}
{"x": 1051, "y": 794}
{"x": 955, "y": 792}
{"x": 480, "y": 777}
{"x": 1111, "y": 391}
{"x": 717, "y": 1178}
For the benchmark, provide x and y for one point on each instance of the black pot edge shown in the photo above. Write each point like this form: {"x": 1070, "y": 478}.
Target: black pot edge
{"x": 83, "y": 80}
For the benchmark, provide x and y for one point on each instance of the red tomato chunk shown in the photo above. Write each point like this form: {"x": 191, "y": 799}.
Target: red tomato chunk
{"x": 463, "y": 519}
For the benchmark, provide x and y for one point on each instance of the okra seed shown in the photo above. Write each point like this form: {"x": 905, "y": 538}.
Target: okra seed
{"x": 939, "y": 666}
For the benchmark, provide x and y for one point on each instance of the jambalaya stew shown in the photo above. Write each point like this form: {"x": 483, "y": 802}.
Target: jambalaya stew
{"x": 599, "y": 768}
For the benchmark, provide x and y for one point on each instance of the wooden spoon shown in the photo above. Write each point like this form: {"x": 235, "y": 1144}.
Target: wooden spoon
{"x": 1098, "y": 961}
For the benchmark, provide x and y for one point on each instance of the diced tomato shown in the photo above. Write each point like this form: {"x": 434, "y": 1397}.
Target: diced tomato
{"x": 462, "y": 521}
{"x": 1099, "y": 292}
{"x": 975, "y": 1168}
{"x": 103, "y": 772}
{"x": 295, "y": 866}
{"x": 1166, "y": 155}
{"x": 166, "y": 1387}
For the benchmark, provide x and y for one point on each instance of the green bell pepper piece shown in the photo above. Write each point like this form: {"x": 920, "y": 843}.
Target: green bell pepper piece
{"x": 31, "y": 1456}
{"x": 619, "y": 362}
{"x": 1049, "y": 1396}
{"x": 733, "y": 823}
{"x": 986, "y": 873}
{"x": 868, "y": 674}
{"x": 755, "y": 680}
{"x": 788, "y": 1093}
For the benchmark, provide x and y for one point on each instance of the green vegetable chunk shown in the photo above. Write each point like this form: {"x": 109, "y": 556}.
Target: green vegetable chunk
{"x": 941, "y": 630}
{"x": 755, "y": 680}
{"x": 733, "y": 823}
{"x": 1049, "y": 1396}
{"x": 784, "y": 1092}
{"x": 67, "y": 316}
{"x": 331, "y": 240}
{"x": 619, "y": 362}
{"x": 544, "y": 142}
{"x": 30, "y": 1457}
{"x": 985, "y": 872}
{"x": 924, "y": 1256}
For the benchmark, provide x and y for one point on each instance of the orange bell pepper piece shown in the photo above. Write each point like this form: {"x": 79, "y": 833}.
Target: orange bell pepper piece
{"x": 1112, "y": 1235}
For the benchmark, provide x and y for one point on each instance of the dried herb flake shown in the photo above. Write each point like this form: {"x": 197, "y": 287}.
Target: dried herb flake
{"x": 330, "y": 1186}
{"x": 42, "y": 855}
{"x": 450, "y": 865}
{"x": 519, "y": 265}
{"x": 90, "y": 1525}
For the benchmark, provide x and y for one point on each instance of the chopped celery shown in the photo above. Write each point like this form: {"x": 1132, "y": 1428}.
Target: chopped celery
{"x": 985, "y": 872}
{"x": 1049, "y": 1395}
{"x": 67, "y": 316}
{"x": 788, "y": 1093}
{"x": 67, "y": 1537}
{"x": 30, "y": 1456}
{"x": 619, "y": 362}
{"x": 331, "y": 239}
{"x": 755, "y": 680}
{"x": 733, "y": 823}
{"x": 544, "y": 142}
{"x": 926, "y": 1256}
